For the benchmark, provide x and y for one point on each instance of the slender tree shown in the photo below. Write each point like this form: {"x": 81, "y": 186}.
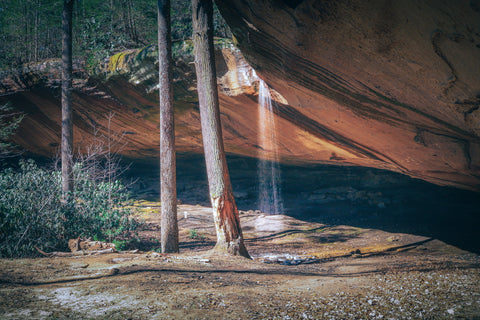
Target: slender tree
{"x": 67, "y": 124}
{"x": 225, "y": 212}
{"x": 168, "y": 185}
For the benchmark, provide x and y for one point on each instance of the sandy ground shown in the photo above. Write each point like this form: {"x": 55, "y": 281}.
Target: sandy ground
{"x": 300, "y": 270}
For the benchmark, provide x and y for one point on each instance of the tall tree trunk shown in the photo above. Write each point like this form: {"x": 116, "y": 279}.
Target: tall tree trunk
{"x": 112, "y": 8}
{"x": 168, "y": 181}
{"x": 225, "y": 212}
{"x": 67, "y": 124}
{"x": 35, "y": 32}
{"x": 133, "y": 27}
{"x": 26, "y": 38}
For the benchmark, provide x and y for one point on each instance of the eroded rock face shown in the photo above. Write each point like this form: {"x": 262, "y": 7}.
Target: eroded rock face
{"x": 119, "y": 105}
{"x": 386, "y": 84}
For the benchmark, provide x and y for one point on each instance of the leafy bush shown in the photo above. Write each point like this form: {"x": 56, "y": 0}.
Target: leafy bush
{"x": 9, "y": 122}
{"x": 32, "y": 214}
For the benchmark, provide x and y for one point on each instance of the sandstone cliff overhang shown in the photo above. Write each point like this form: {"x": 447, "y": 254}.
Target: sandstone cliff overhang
{"x": 395, "y": 83}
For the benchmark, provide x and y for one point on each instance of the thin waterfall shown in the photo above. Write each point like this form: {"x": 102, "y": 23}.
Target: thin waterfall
{"x": 270, "y": 198}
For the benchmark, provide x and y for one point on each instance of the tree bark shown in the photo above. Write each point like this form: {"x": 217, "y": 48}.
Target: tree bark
{"x": 35, "y": 32}
{"x": 168, "y": 183}
{"x": 225, "y": 212}
{"x": 67, "y": 124}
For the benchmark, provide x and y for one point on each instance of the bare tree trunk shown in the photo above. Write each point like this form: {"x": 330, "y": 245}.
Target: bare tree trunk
{"x": 225, "y": 213}
{"x": 133, "y": 27}
{"x": 67, "y": 124}
{"x": 112, "y": 8}
{"x": 35, "y": 32}
{"x": 26, "y": 38}
{"x": 168, "y": 181}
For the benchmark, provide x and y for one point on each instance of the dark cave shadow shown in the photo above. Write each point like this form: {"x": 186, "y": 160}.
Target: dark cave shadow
{"x": 338, "y": 195}
{"x": 314, "y": 238}
{"x": 446, "y": 214}
{"x": 197, "y": 245}
{"x": 282, "y": 234}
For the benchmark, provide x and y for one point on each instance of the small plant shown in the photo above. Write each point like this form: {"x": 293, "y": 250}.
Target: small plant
{"x": 193, "y": 234}
{"x": 93, "y": 60}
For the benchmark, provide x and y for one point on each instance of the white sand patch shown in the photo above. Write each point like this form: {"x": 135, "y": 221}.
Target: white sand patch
{"x": 270, "y": 223}
{"x": 86, "y": 302}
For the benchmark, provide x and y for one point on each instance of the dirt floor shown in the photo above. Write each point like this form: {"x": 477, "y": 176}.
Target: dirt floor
{"x": 300, "y": 270}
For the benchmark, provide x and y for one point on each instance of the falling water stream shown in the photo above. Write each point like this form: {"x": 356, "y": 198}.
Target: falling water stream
{"x": 270, "y": 198}
{"x": 268, "y": 171}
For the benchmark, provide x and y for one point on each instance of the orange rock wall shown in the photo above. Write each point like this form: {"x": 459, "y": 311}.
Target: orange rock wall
{"x": 393, "y": 84}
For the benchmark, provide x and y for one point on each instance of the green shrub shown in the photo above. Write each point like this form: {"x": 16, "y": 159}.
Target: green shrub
{"x": 193, "y": 234}
{"x": 32, "y": 215}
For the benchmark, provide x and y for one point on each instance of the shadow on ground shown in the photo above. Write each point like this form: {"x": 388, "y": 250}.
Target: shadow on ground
{"x": 336, "y": 195}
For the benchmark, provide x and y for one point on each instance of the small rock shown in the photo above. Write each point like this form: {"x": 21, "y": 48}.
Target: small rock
{"x": 204, "y": 260}
{"x": 356, "y": 253}
{"x": 392, "y": 239}
{"x": 118, "y": 260}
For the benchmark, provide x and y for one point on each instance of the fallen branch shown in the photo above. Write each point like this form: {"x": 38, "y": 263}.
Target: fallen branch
{"x": 82, "y": 252}
{"x": 109, "y": 273}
